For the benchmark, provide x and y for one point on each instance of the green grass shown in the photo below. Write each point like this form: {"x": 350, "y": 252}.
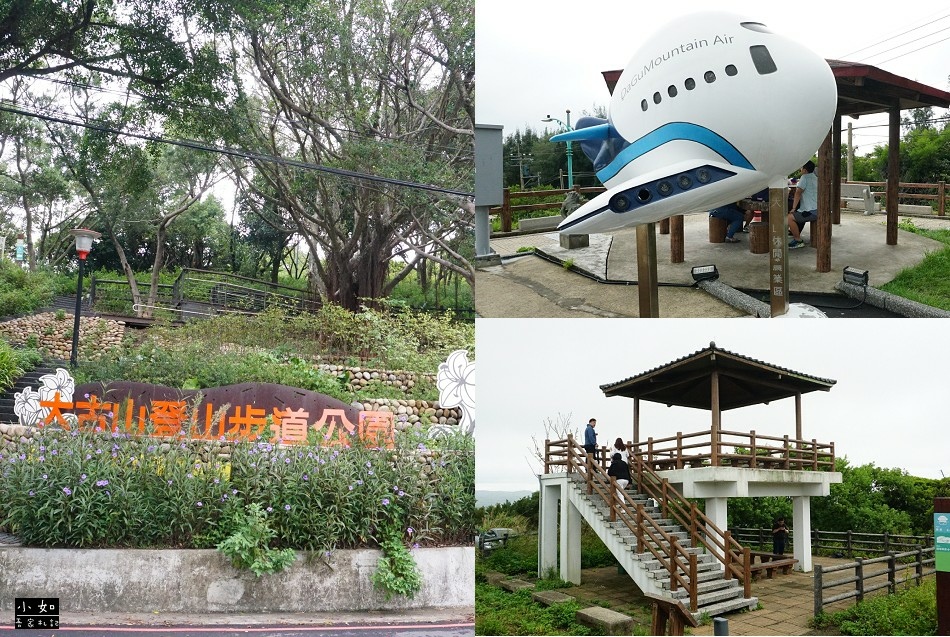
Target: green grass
{"x": 498, "y": 612}
{"x": 520, "y": 555}
{"x": 911, "y": 611}
{"x": 927, "y": 282}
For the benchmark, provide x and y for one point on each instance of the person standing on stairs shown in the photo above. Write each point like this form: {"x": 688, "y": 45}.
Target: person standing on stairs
{"x": 619, "y": 469}
{"x": 590, "y": 437}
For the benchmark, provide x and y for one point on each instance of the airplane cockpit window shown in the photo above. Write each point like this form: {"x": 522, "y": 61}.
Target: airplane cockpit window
{"x": 755, "y": 26}
{"x": 762, "y": 59}
{"x": 602, "y": 151}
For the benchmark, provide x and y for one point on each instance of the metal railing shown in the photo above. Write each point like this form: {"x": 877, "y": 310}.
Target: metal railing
{"x": 898, "y": 569}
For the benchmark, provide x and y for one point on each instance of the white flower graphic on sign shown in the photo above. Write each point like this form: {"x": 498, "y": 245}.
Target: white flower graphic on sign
{"x": 26, "y": 406}
{"x": 60, "y": 382}
{"x": 456, "y": 383}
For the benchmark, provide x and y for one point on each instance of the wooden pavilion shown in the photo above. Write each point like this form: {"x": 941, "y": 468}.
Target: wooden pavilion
{"x": 717, "y": 464}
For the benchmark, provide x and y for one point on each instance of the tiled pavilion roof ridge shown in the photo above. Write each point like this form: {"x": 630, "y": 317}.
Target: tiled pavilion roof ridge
{"x": 712, "y": 349}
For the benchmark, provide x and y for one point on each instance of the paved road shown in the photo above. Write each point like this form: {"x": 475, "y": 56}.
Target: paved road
{"x": 460, "y": 629}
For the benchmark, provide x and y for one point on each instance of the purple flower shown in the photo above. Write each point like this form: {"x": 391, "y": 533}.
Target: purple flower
{"x": 88, "y": 456}
{"x": 410, "y": 530}
{"x": 359, "y": 482}
{"x": 216, "y": 481}
{"x": 305, "y": 477}
{"x": 351, "y": 487}
{"x": 199, "y": 504}
{"x": 67, "y": 491}
{"x": 270, "y": 509}
{"x": 287, "y": 461}
{"x": 395, "y": 489}
{"x": 42, "y": 458}
{"x": 54, "y": 452}
{"x": 31, "y": 493}
{"x": 415, "y": 545}
{"x": 98, "y": 451}
{"x": 87, "y": 396}
{"x": 385, "y": 502}
{"x": 421, "y": 447}
{"x": 368, "y": 465}
{"x": 402, "y": 493}
{"x": 286, "y": 507}
{"x": 82, "y": 478}
{"x": 234, "y": 491}
{"x": 101, "y": 483}
{"x": 44, "y": 476}
{"x": 370, "y": 472}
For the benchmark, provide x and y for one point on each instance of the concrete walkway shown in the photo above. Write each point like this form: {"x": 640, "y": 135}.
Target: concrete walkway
{"x": 530, "y": 286}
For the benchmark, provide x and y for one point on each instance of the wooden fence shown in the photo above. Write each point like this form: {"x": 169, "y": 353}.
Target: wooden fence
{"x": 936, "y": 193}
{"x": 847, "y": 543}
{"x": 861, "y": 580}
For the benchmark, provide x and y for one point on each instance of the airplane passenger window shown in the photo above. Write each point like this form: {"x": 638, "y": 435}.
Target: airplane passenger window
{"x": 644, "y": 105}
{"x": 762, "y": 59}
{"x": 710, "y": 77}
{"x": 731, "y": 70}
{"x": 657, "y": 98}
{"x": 690, "y": 84}
{"x": 672, "y": 91}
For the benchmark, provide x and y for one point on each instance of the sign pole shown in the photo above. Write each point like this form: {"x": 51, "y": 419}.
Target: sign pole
{"x": 646, "y": 271}
{"x": 942, "y": 562}
{"x": 778, "y": 247}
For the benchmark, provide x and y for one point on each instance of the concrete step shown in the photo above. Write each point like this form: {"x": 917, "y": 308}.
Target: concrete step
{"x": 709, "y": 586}
{"x": 703, "y": 576}
{"x": 722, "y": 608}
{"x": 652, "y": 564}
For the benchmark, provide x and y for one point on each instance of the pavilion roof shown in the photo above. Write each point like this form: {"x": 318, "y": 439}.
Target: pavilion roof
{"x": 743, "y": 381}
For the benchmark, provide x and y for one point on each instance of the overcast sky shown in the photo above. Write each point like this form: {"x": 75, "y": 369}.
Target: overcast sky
{"x": 889, "y": 406}
{"x": 535, "y": 59}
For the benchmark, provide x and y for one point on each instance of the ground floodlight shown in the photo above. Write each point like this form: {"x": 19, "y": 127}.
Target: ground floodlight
{"x": 855, "y": 276}
{"x": 704, "y": 273}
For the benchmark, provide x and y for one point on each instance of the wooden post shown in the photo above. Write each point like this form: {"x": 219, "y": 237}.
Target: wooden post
{"x": 636, "y": 421}
{"x": 570, "y": 454}
{"x": 727, "y": 554}
{"x": 818, "y": 590}
{"x": 859, "y": 579}
{"x": 919, "y": 566}
{"x": 714, "y": 430}
{"x": 641, "y": 544}
{"x": 547, "y": 451}
{"x": 893, "y": 171}
{"x": 778, "y": 250}
{"x": 746, "y": 571}
{"x": 836, "y": 170}
{"x": 891, "y": 573}
{"x": 677, "y": 240}
{"x": 679, "y": 449}
{"x": 646, "y": 271}
{"x": 825, "y": 189}
{"x": 506, "y": 210}
{"x": 664, "y": 226}
{"x": 848, "y": 543}
{"x": 798, "y": 416}
{"x": 941, "y": 198}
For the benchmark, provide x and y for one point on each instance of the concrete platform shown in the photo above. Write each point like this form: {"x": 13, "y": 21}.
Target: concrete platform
{"x": 532, "y": 287}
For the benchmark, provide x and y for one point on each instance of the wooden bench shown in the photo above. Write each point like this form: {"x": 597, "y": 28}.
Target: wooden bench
{"x": 770, "y": 562}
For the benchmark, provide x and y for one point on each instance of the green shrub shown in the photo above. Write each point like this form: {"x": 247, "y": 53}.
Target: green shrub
{"x": 248, "y": 546}
{"x": 11, "y": 366}
{"x": 911, "y": 611}
{"x": 498, "y": 612}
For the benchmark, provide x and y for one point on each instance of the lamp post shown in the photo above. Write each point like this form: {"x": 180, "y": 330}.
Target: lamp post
{"x": 570, "y": 152}
{"x": 84, "y": 239}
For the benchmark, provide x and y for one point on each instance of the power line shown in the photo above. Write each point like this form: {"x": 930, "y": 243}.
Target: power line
{"x": 195, "y": 145}
{"x": 915, "y": 50}
{"x": 871, "y": 46}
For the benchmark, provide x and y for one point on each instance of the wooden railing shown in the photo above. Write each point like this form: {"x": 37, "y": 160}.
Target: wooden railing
{"x": 509, "y": 213}
{"x": 897, "y": 571}
{"x": 750, "y": 450}
{"x": 846, "y": 543}
{"x": 939, "y": 195}
{"x": 570, "y": 456}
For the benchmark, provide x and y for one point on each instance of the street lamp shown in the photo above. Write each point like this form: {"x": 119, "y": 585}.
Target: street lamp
{"x": 84, "y": 239}
{"x": 570, "y": 153}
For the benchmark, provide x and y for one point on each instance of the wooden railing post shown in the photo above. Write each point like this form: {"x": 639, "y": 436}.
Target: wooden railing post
{"x": 849, "y": 546}
{"x": 859, "y": 579}
{"x": 919, "y": 566}
{"x": 613, "y": 499}
{"x": 727, "y": 553}
{"x": 506, "y": 210}
{"x": 650, "y": 451}
{"x": 752, "y": 462}
{"x": 941, "y": 198}
{"x": 785, "y": 454}
{"x": 641, "y": 545}
{"x": 814, "y": 454}
{"x": 679, "y": 449}
{"x": 891, "y": 573}
{"x": 671, "y": 557}
{"x": 663, "y": 494}
{"x": 570, "y": 454}
{"x": 693, "y": 583}
{"x": 746, "y": 571}
{"x": 547, "y": 451}
{"x": 887, "y": 541}
{"x": 693, "y": 532}
{"x": 818, "y": 590}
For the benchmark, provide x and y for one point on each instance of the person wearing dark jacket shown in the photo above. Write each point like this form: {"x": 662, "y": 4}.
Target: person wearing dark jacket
{"x": 619, "y": 470}
{"x": 590, "y": 437}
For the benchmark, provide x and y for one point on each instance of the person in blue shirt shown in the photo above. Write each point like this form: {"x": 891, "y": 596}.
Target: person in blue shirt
{"x": 590, "y": 436}
{"x": 806, "y": 193}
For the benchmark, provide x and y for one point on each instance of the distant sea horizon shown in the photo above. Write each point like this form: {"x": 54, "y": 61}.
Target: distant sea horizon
{"x": 489, "y": 497}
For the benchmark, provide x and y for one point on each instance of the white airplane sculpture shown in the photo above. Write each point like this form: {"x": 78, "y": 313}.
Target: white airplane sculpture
{"x": 711, "y": 109}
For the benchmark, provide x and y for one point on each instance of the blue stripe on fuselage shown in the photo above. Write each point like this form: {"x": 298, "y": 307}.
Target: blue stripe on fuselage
{"x": 672, "y": 132}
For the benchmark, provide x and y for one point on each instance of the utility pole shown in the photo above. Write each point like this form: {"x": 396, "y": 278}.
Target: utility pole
{"x": 850, "y": 172}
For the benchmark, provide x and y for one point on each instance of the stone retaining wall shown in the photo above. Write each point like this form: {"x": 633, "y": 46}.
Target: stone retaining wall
{"x": 203, "y": 581}
{"x": 54, "y": 333}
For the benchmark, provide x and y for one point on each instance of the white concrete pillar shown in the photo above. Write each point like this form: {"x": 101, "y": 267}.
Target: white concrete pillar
{"x": 570, "y": 542}
{"x": 717, "y": 510}
{"x": 801, "y": 525}
{"x": 547, "y": 528}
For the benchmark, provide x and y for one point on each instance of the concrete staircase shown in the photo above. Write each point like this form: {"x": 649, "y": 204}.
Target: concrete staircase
{"x": 716, "y": 595}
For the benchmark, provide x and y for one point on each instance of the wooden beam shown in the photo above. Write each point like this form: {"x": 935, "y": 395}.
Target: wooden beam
{"x": 778, "y": 250}
{"x": 836, "y": 170}
{"x": 798, "y": 416}
{"x": 636, "y": 420}
{"x": 677, "y": 240}
{"x": 714, "y": 429}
